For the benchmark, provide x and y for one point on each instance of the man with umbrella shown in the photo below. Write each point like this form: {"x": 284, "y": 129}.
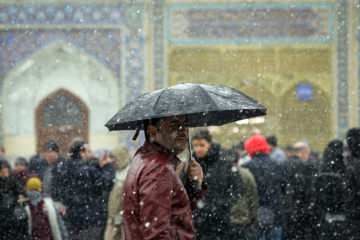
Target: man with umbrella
{"x": 156, "y": 204}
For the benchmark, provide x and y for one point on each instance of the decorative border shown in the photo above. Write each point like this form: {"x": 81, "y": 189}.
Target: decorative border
{"x": 342, "y": 66}
{"x": 126, "y": 18}
{"x": 233, "y": 23}
{"x": 358, "y": 53}
{"x": 18, "y": 44}
{"x": 159, "y": 78}
{"x": 30, "y": 15}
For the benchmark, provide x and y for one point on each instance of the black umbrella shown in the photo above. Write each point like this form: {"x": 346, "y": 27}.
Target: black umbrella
{"x": 203, "y": 105}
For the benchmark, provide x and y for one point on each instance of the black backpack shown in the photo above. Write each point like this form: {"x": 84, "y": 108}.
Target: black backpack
{"x": 353, "y": 196}
{"x": 331, "y": 189}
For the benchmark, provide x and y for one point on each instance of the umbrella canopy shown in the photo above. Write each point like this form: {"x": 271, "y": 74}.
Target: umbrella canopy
{"x": 203, "y": 105}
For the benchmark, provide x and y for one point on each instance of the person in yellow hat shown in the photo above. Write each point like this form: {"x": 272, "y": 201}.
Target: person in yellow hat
{"x": 44, "y": 221}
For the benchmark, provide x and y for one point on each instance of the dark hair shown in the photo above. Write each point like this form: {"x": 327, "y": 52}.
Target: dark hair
{"x": 271, "y": 139}
{"x": 289, "y": 148}
{"x": 4, "y": 163}
{"x": 232, "y": 155}
{"x": 51, "y": 146}
{"x": 353, "y": 140}
{"x": 333, "y": 160}
{"x": 76, "y": 147}
{"x": 202, "y": 134}
{"x": 153, "y": 122}
{"x": 239, "y": 145}
{"x": 22, "y": 161}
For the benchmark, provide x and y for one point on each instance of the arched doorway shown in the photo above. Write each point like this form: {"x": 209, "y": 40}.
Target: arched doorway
{"x": 62, "y": 117}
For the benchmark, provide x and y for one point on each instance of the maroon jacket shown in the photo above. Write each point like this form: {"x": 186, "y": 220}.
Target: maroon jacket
{"x": 156, "y": 204}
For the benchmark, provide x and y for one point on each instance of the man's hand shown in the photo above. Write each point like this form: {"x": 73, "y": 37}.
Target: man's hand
{"x": 63, "y": 210}
{"x": 105, "y": 159}
{"x": 195, "y": 172}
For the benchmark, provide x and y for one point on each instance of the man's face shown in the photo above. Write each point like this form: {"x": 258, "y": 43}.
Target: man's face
{"x": 302, "y": 151}
{"x": 271, "y": 147}
{"x": 201, "y": 147}
{"x": 50, "y": 156}
{"x": 172, "y": 133}
{"x": 4, "y": 172}
{"x": 19, "y": 168}
{"x": 304, "y": 154}
{"x": 86, "y": 154}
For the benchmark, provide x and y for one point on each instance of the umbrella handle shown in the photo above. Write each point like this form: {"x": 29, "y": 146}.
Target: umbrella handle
{"x": 193, "y": 183}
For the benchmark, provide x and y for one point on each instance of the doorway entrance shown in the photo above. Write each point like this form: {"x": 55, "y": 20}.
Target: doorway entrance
{"x": 61, "y": 117}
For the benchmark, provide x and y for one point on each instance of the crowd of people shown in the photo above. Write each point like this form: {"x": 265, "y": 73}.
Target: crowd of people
{"x": 254, "y": 190}
{"x": 53, "y": 197}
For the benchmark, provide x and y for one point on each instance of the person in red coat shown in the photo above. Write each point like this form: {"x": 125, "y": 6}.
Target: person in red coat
{"x": 156, "y": 204}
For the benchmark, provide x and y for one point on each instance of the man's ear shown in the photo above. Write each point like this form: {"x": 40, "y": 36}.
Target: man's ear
{"x": 152, "y": 130}
{"x": 82, "y": 154}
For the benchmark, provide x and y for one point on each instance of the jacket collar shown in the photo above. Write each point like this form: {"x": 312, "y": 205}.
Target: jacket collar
{"x": 159, "y": 149}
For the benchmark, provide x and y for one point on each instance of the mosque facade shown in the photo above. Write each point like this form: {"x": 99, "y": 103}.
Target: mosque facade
{"x": 66, "y": 67}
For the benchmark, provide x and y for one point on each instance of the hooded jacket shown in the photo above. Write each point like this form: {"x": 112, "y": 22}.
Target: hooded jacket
{"x": 270, "y": 177}
{"x": 256, "y": 144}
{"x": 85, "y": 199}
{"x": 225, "y": 190}
{"x": 156, "y": 204}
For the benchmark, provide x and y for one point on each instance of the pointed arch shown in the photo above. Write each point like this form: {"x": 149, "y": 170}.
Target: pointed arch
{"x": 59, "y": 65}
{"x": 61, "y": 117}
{"x": 311, "y": 120}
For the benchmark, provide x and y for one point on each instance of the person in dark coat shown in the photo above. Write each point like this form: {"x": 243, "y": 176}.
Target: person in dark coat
{"x": 84, "y": 217}
{"x": 212, "y": 219}
{"x": 330, "y": 194}
{"x": 244, "y": 214}
{"x": 92, "y": 159}
{"x": 10, "y": 226}
{"x": 276, "y": 153}
{"x": 37, "y": 166}
{"x": 271, "y": 180}
{"x": 352, "y": 173}
{"x": 297, "y": 199}
{"x": 21, "y": 172}
{"x": 54, "y": 173}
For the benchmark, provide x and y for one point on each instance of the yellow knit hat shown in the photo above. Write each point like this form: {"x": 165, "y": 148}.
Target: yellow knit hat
{"x": 34, "y": 183}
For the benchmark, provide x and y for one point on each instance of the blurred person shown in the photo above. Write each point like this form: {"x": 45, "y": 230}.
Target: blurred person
{"x": 330, "y": 194}
{"x": 352, "y": 173}
{"x": 346, "y": 152}
{"x": 21, "y": 171}
{"x": 289, "y": 151}
{"x": 92, "y": 159}
{"x": 271, "y": 180}
{"x": 114, "y": 226}
{"x": 56, "y": 176}
{"x": 244, "y": 214}
{"x": 297, "y": 199}
{"x": 314, "y": 156}
{"x": 85, "y": 213}
{"x": 10, "y": 189}
{"x": 303, "y": 150}
{"x": 243, "y": 156}
{"x": 225, "y": 187}
{"x": 2, "y": 151}
{"x": 276, "y": 153}
{"x": 44, "y": 220}
{"x": 37, "y": 166}
{"x": 156, "y": 204}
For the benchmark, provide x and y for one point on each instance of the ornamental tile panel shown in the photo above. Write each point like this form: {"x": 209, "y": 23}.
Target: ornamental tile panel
{"x": 226, "y": 23}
